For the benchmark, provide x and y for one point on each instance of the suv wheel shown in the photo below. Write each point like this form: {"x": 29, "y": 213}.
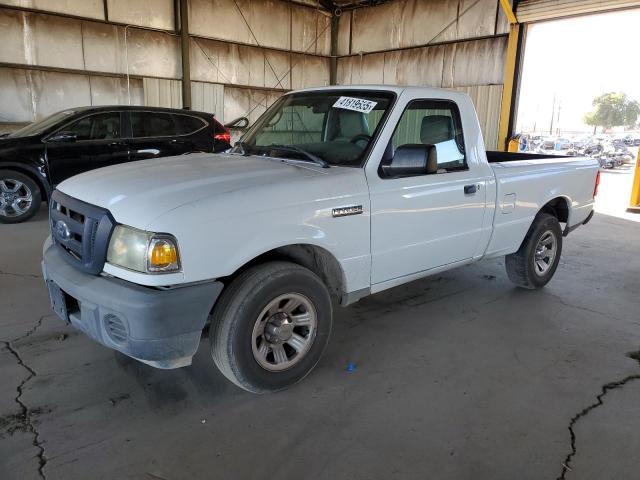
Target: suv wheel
{"x": 20, "y": 197}
{"x": 270, "y": 326}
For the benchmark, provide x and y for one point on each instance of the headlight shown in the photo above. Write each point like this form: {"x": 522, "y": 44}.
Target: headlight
{"x": 145, "y": 252}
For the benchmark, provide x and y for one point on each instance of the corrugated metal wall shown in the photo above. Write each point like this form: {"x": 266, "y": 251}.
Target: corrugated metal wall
{"x": 241, "y": 59}
{"x": 159, "y": 92}
{"x": 27, "y": 95}
{"x": 455, "y": 44}
{"x": 535, "y": 10}
{"x": 487, "y": 100}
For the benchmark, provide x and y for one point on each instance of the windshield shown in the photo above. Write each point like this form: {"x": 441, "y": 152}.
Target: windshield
{"x": 39, "y": 127}
{"x": 335, "y": 126}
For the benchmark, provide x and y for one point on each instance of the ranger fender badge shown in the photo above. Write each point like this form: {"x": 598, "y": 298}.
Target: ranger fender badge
{"x": 350, "y": 210}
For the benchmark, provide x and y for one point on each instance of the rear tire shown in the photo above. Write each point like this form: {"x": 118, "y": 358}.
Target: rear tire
{"x": 271, "y": 326}
{"x": 535, "y": 262}
{"x": 20, "y": 197}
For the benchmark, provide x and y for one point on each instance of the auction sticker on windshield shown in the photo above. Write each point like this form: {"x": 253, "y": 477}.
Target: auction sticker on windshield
{"x": 355, "y": 104}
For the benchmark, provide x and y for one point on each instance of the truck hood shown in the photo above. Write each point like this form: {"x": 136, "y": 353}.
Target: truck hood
{"x": 136, "y": 193}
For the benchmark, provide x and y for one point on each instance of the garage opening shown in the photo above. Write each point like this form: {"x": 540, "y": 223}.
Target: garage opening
{"x": 579, "y": 95}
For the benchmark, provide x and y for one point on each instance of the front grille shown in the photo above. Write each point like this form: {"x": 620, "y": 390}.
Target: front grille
{"x": 82, "y": 230}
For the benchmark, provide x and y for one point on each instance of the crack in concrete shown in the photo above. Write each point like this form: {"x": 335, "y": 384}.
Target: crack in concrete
{"x": 25, "y": 412}
{"x": 32, "y": 330}
{"x": 606, "y": 388}
{"x": 579, "y": 307}
{"x": 28, "y": 275}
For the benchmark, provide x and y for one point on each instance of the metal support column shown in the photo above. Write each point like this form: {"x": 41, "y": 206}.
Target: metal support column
{"x": 333, "y": 62}
{"x": 185, "y": 49}
{"x": 510, "y": 77}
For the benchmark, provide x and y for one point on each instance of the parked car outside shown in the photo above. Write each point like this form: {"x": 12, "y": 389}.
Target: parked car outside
{"x": 580, "y": 142}
{"x": 34, "y": 159}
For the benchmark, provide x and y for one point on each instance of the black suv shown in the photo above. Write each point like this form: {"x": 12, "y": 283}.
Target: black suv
{"x": 34, "y": 159}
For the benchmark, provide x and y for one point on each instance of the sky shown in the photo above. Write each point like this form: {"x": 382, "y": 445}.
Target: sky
{"x": 576, "y": 60}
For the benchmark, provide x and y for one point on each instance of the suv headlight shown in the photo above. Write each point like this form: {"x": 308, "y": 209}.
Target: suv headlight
{"x": 145, "y": 252}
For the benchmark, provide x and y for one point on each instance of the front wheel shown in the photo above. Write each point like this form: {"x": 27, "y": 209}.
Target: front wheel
{"x": 535, "y": 262}
{"x": 270, "y": 326}
{"x": 20, "y": 197}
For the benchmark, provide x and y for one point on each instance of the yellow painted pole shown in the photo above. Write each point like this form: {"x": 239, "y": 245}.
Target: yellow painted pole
{"x": 507, "y": 89}
{"x": 634, "y": 203}
{"x": 506, "y": 6}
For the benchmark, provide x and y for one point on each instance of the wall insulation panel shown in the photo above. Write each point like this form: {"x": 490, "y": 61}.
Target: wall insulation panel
{"x": 104, "y": 47}
{"x": 208, "y": 97}
{"x": 408, "y": 23}
{"x": 146, "y": 13}
{"x": 487, "y": 100}
{"x": 240, "y": 102}
{"x": 80, "y": 8}
{"x": 38, "y": 39}
{"x": 28, "y": 95}
{"x": 50, "y": 41}
{"x": 15, "y": 96}
{"x": 113, "y": 91}
{"x": 457, "y": 64}
{"x": 221, "y": 62}
{"x": 289, "y": 27}
{"x": 159, "y": 92}
{"x": 309, "y": 71}
{"x": 153, "y": 54}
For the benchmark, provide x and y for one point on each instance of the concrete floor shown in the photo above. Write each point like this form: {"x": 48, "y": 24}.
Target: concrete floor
{"x": 457, "y": 376}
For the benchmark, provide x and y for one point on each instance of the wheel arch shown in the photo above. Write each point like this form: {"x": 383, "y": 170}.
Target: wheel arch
{"x": 559, "y": 207}
{"x": 32, "y": 174}
{"x": 317, "y": 259}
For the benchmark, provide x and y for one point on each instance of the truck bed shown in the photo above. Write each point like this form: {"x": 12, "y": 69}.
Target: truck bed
{"x": 495, "y": 156}
{"x": 526, "y": 182}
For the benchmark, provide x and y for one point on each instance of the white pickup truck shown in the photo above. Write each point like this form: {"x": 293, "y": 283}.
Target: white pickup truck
{"x": 334, "y": 194}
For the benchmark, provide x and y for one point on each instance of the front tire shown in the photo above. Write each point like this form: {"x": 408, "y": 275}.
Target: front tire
{"x": 535, "y": 262}
{"x": 271, "y": 326}
{"x": 20, "y": 197}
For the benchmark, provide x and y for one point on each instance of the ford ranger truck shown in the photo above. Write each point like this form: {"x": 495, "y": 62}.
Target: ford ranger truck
{"x": 333, "y": 194}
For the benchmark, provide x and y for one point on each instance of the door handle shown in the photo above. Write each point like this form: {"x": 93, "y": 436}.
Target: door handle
{"x": 470, "y": 189}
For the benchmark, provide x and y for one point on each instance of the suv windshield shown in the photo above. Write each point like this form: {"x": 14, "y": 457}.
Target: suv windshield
{"x": 39, "y": 127}
{"x": 335, "y": 126}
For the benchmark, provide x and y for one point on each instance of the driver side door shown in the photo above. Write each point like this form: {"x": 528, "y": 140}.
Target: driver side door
{"x": 93, "y": 141}
{"x": 421, "y": 221}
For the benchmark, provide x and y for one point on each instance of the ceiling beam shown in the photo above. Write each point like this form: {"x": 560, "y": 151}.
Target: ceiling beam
{"x": 328, "y": 5}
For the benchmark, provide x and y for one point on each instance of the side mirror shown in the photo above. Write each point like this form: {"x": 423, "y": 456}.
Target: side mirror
{"x": 63, "y": 137}
{"x": 412, "y": 159}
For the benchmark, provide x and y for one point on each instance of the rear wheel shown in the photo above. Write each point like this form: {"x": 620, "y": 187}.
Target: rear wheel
{"x": 270, "y": 326}
{"x": 535, "y": 262}
{"x": 20, "y": 197}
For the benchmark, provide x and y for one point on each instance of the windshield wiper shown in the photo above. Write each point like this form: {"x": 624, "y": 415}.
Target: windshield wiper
{"x": 310, "y": 156}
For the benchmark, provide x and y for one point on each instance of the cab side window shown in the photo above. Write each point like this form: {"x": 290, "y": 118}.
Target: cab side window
{"x": 101, "y": 126}
{"x": 437, "y": 123}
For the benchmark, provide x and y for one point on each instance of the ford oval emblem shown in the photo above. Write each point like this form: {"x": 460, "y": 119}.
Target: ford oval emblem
{"x": 62, "y": 230}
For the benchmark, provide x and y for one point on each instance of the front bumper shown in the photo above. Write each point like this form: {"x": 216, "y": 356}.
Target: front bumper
{"x": 160, "y": 327}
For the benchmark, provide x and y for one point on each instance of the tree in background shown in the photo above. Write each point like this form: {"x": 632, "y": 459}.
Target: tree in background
{"x": 613, "y": 110}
